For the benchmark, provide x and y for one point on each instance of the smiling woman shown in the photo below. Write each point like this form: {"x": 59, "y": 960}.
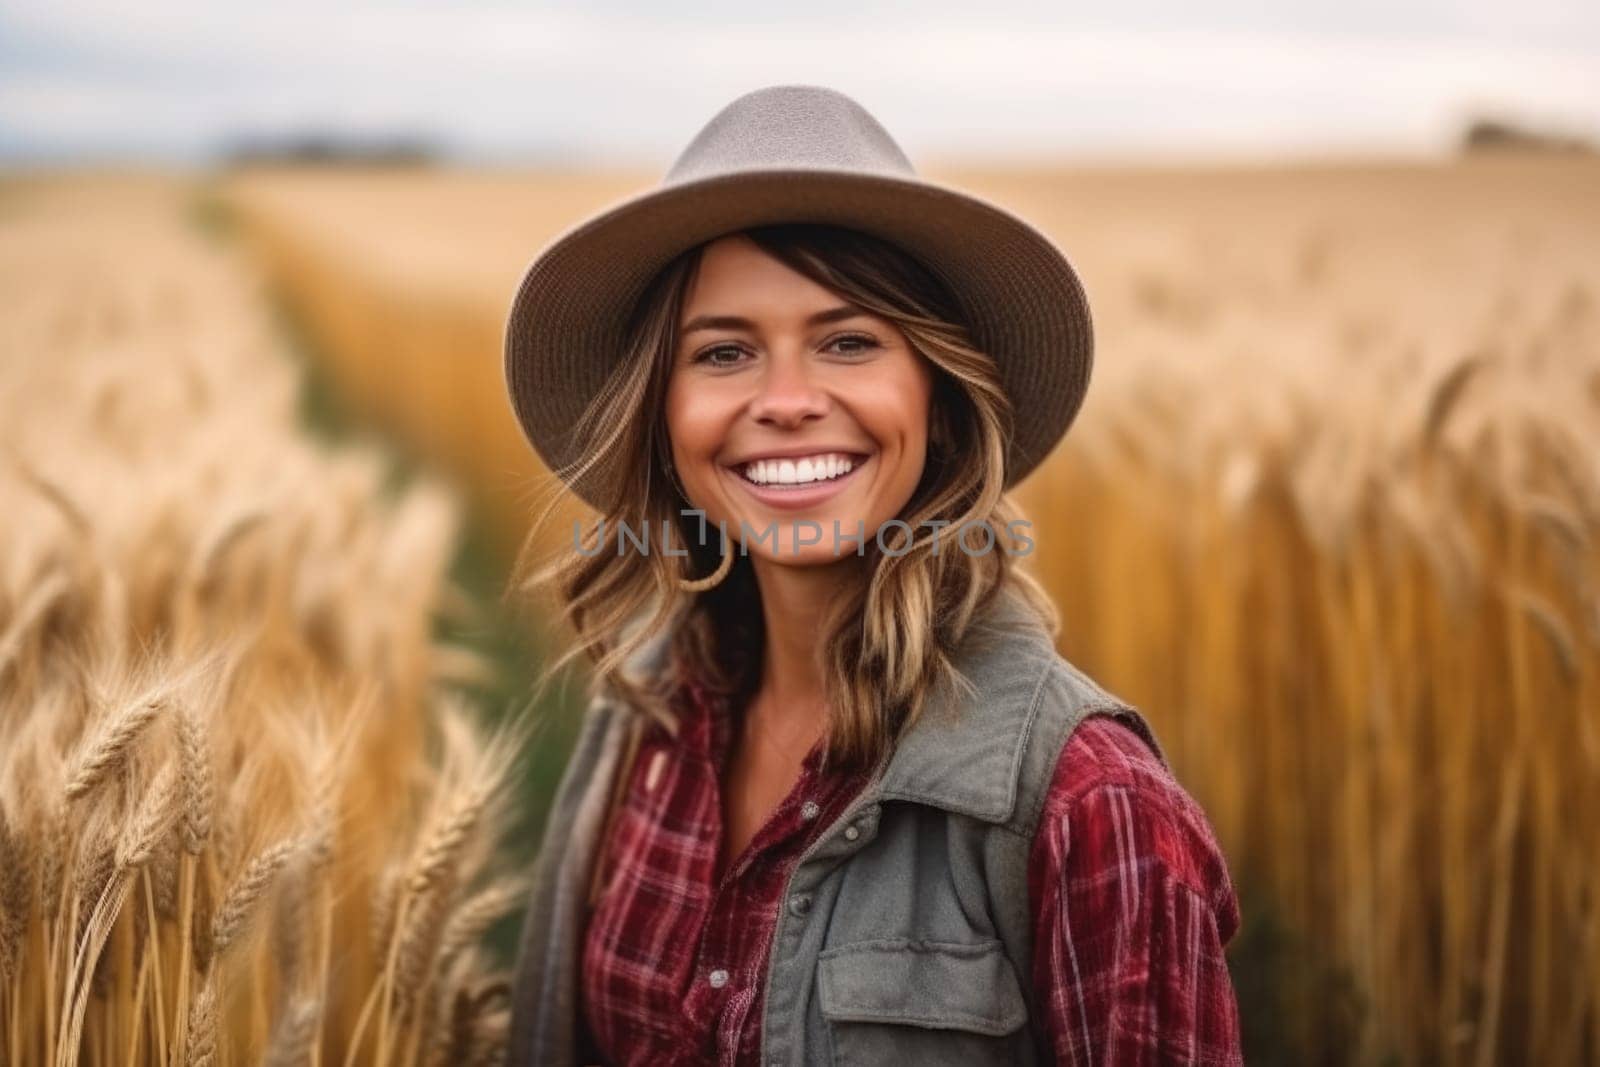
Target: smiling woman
{"x": 738, "y": 349}
{"x": 829, "y": 805}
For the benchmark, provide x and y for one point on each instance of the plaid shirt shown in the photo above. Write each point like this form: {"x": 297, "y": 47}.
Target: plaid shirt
{"x": 1132, "y": 905}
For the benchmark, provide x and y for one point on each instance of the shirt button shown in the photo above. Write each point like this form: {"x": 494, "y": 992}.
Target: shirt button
{"x": 810, "y": 810}
{"x": 718, "y": 978}
{"x": 799, "y": 904}
{"x": 851, "y": 833}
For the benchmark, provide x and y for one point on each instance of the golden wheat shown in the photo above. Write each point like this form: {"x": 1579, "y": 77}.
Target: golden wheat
{"x": 221, "y": 716}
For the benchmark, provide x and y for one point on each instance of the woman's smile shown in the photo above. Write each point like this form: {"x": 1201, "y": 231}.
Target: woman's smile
{"x": 799, "y": 482}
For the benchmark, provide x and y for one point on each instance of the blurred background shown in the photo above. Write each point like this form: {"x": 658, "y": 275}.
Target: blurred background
{"x": 1329, "y": 515}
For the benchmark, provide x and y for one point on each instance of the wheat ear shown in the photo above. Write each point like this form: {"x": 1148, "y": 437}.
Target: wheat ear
{"x": 111, "y": 747}
{"x": 240, "y": 904}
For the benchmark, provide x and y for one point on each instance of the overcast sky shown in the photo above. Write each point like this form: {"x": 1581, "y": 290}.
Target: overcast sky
{"x": 608, "y": 81}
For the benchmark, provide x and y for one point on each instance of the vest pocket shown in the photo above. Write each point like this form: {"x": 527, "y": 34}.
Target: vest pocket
{"x": 897, "y": 1000}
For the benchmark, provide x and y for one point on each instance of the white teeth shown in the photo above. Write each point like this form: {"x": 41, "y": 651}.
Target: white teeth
{"x": 819, "y": 468}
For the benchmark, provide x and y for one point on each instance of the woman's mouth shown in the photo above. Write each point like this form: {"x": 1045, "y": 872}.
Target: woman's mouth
{"x": 795, "y": 482}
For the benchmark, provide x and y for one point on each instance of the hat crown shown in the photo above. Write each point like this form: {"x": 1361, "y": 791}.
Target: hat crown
{"x": 787, "y": 127}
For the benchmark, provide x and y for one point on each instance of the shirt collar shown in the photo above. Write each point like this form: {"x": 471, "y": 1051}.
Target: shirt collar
{"x": 706, "y": 726}
{"x": 965, "y": 751}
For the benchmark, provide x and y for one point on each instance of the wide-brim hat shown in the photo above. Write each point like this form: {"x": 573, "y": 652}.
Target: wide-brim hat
{"x": 797, "y": 153}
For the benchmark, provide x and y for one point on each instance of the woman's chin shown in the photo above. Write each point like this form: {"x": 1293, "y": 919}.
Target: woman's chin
{"x": 807, "y": 556}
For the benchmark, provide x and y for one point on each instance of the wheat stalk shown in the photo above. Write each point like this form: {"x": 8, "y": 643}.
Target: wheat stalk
{"x": 243, "y": 899}
{"x": 200, "y": 1047}
{"x": 140, "y": 836}
{"x": 195, "y": 758}
{"x": 295, "y": 1034}
{"x": 108, "y": 751}
{"x": 16, "y": 895}
{"x": 478, "y": 913}
{"x": 424, "y": 901}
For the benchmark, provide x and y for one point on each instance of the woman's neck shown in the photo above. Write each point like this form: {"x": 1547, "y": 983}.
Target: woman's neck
{"x": 793, "y": 602}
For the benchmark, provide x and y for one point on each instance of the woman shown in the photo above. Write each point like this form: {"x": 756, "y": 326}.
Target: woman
{"x": 837, "y": 798}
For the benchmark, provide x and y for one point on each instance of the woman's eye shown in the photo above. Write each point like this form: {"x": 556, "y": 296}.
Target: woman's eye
{"x": 707, "y": 355}
{"x": 863, "y": 343}
{"x": 850, "y": 344}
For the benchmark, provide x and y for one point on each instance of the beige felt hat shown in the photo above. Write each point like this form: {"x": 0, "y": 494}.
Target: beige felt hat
{"x": 798, "y": 153}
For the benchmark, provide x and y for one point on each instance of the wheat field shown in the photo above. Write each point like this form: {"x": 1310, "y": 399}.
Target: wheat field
{"x": 1329, "y": 515}
{"x": 246, "y": 813}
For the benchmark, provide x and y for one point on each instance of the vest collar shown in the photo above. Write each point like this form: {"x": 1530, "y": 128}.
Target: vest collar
{"x": 964, "y": 754}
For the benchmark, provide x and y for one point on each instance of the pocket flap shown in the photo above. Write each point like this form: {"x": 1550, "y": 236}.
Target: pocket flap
{"x": 938, "y": 984}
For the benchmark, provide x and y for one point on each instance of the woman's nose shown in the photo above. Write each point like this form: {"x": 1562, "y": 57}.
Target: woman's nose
{"x": 787, "y": 393}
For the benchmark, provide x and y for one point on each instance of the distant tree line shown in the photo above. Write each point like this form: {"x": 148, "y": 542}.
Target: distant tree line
{"x": 1488, "y": 134}
{"x": 330, "y": 148}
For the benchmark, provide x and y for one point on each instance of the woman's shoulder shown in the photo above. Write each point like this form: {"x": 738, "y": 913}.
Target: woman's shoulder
{"x": 1113, "y": 797}
{"x": 1107, "y": 750}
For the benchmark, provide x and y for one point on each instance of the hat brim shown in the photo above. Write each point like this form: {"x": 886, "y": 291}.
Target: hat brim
{"x": 1024, "y": 302}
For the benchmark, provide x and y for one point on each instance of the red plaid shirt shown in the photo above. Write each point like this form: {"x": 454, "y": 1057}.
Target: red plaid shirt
{"x": 1132, "y": 905}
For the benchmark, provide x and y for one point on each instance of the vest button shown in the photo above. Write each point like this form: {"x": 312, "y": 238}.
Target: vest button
{"x": 718, "y": 978}
{"x": 851, "y": 833}
{"x": 799, "y": 904}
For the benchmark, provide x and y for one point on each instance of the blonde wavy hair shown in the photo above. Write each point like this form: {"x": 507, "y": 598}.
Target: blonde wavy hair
{"x": 888, "y": 642}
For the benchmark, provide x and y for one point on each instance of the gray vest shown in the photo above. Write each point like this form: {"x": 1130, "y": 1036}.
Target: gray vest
{"x": 905, "y": 931}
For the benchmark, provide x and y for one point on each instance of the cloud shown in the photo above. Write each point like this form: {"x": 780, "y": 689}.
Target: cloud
{"x": 616, "y": 80}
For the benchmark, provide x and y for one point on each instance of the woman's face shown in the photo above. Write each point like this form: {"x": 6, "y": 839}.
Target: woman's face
{"x": 790, "y": 410}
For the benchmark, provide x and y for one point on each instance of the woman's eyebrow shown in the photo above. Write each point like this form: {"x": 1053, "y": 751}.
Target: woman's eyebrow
{"x": 735, "y": 322}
